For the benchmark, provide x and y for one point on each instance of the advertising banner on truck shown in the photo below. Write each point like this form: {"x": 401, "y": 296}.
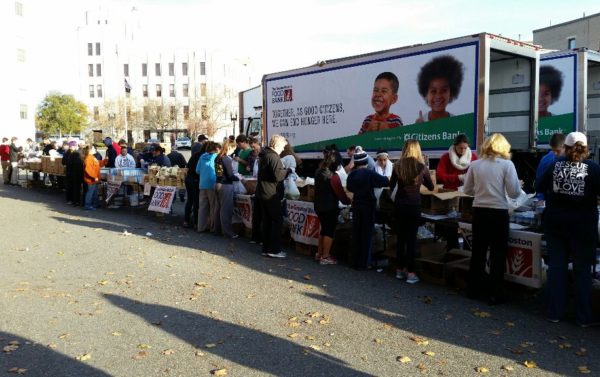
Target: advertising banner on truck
{"x": 379, "y": 101}
{"x": 557, "y": 96}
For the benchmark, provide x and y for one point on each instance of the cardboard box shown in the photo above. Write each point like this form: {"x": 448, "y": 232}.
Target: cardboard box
{"x": 307, "y": 193}
{"x": 439, "y": 201}
{"x": 434, "y": 259}
{"x": 250, "y": 185}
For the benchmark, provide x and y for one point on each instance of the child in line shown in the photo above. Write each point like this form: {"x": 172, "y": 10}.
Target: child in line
{"x": 361, "y": 182}
{"x": 439, "y": 83}
{"x": 385, "y": 94}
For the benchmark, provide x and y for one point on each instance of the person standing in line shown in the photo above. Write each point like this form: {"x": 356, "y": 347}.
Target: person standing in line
{"x": 490, "y": 179}
{"x": 5, "y": 160}
{"x": 225, "y": 179}
{"x": 350, "y": 151}
{"x": 91, "y": 177}
{"x": 256, "y": 213}
{"x": 271, "y": 174}
{"x": 409, "y": 174}
{"x": 14, "y": 152}
{"x": 208, "y": 205}
{"x": 192, "y": 184}
{"x": 243, "y": 158}
{"x": 202, "y": 139}
{"x": 453, "y": 164}
{"x": 328, "y": 191}
{"x": 74, "y": 172}
{"x": 557, "y": 149}
{"x": 361, "y": 182}
{"x": 571, "y": 186}
{"x": 67, "y": 177}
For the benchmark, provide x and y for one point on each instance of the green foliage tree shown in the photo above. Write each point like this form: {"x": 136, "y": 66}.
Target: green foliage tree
{"x": 61, "y": 114}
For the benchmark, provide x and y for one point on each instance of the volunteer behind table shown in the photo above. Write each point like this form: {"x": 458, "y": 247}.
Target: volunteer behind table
{"x": 571, "y": 187}
{"x": 489, "y": 180}
{"x": 453, "y": 164}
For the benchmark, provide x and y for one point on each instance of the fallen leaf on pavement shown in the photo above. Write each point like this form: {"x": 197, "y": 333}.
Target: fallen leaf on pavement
{"x": 63, "y": 336}
{"x": 378, "y": 341}
{"x": 315, "y": 347}
{"x": 482, "y": 314}
{"x": 564, "y": 345}
{"x": 17, "y": 370}
{"x": 116, "y": 333}
{"x": 210, "y": 345}
{"x": 198, "y": 353}
{"x": 293, "y": 335}
{"x": 103, "y": 282}
{"x": 510, "y": 324}
{"x": 482, "y": 370}
{"x": 419, "y": 340}
{"x": 140, "y": 355}
{"x": 509, "y": 368}
{"x": 581, "y": 352}
{"x": 84, "y": 357}
{"x": 403, "y": 359}
{"x": 422, "y": 368}
{"x": 10, "y": 348}
{"x": 168, "y": 352}
{"x": 310, "y": 337}
{"x": 530, "y": 364}
{"x": 201, "y": 284}
{"x": 313, "y": 314}
{"x": 428, "y": 353}
{"x": 584, "y": 369}
{"x": 219, "y": 372}
{"x": 307, "y": 277}
{"x": 143, "y": 346}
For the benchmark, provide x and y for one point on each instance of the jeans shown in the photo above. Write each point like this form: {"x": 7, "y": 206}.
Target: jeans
{"x": 583, "y": 251}
{"x": 363, "y": 221}
{"x": 91, "y": 196}
{"x": 408, "y": 218}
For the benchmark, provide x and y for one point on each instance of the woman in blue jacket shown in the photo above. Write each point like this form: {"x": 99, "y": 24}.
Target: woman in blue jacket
{"x": 208, "y": 204}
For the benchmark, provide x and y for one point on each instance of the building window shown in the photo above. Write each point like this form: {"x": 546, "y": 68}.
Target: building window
{"x": 204, "y": 112}
{"x": 90, "y": 49}
{"x": 171, "y": 69}
{"x": 126, "y": 70}
{"x": 203, "y": 90}
{"x": 157, "y": 69}
{"x": 99, "y": 90}
{"x": 185, "y": 90}
{"x": 92, "y": 91}
{"x": 184, "y": 69}
{"x": 91, "y": 70}
{"x": 19, "y": 8}
{"x": 203, "y": 68}
{"x": 96, "y": 113}
{"x": 172, "y": 90}
{"x": 97, "y": 48}
{"x": 158, "y": 90}
{"x": 145, "y": 90}
{"x": 173, "y": 113}
{"x": 186, "y": 112}
{"x": 571, "y": 44}
{"x": 146, "y": 113}
{"x": 98, "y": 69}
{"x": 23, "y": 111}
{"x": 21, "y": 55}
{"x": 144, "y": 69}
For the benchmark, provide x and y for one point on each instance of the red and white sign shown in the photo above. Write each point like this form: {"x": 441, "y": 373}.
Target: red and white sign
{"x": 304, "y": 222}
{"x": 162, "y": 199}
{"x": 524, "y": 257}
{"x": 242, "y": 210}
{"x": 111, "y": 189}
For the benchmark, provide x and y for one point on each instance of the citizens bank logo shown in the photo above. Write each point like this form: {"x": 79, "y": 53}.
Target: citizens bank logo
{"x": 282, "y": 94}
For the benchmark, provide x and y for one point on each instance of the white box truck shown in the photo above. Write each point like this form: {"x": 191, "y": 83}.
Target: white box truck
{"x": 475, "y": 85}
{"x": 250, "y": 107}
{"x": 569, "y": 95}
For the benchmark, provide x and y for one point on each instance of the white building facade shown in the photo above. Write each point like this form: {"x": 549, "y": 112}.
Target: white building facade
{"x": 17, "y": 107}
{"x": 136, "y": 89}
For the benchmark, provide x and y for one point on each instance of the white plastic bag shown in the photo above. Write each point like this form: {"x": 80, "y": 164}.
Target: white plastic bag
{"x": 291, "y": 190}
{"x": 238, "y": 187}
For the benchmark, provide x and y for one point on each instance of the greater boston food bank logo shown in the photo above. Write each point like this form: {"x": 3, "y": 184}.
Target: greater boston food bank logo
{"x": 282, "y": 94}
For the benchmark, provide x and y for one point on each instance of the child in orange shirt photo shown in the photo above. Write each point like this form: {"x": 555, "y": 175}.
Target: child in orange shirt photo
{"x": 385, "y": 94}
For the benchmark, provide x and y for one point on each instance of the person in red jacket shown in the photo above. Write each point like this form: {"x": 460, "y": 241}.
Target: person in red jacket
{"x": 91, "y": 176}
{"x": 453, "y": 165}
{"x": 5, "y": 159}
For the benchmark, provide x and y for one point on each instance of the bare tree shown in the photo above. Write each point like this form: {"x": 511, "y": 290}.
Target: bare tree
{"x": 209, "y": 114}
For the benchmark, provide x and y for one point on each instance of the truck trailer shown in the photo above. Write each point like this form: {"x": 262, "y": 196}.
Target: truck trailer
{"x": 569, "y": 98}
{"x": 488, "y": 84}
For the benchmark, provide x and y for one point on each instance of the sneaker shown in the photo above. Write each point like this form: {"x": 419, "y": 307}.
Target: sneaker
{"x": 253, "y": 242}
{"x": 412, "y": 278}
{"x": 280, "y": 254}
{"x": 401, "y": 274}
{"x": 553, "y": 320}
{"x": 264, "y": 254}
{"x": 328, "y": 260}
{"x": 235, "y": 236}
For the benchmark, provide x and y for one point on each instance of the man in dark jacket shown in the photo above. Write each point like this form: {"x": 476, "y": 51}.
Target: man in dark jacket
{"x": 196, "y": 147}
{"x": 111, "y": 152}
{"x": 177, "y": 159}
{"x": 74, "y": 172}
{"x": 271, "y": 174}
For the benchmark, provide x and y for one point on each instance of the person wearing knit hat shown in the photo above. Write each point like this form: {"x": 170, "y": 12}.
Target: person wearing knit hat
{"x": 351, "y": 151}
{"x": 571, "y": 186}
{"x": 361, "y": 182}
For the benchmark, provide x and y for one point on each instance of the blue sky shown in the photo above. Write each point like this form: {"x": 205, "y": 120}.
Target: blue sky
{"x": 279, "y": 35}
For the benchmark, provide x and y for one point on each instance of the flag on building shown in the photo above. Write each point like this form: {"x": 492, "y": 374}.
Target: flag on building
{"x": 127, "y": 87}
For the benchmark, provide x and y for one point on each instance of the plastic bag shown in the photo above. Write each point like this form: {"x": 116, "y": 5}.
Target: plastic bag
{"x": 238, "y": 187}
{"x": 290, "y": 189}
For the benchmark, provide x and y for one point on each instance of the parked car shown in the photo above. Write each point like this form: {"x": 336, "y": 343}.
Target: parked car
{"x": 183, "y": 142}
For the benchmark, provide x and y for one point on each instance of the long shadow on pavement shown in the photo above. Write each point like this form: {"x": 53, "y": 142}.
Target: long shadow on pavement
{"x": 241, "y": 345}
{"x": 46, "y": 361}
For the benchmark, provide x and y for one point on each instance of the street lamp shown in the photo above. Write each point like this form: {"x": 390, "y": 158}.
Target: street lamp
{"x": 234, "y": 118}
